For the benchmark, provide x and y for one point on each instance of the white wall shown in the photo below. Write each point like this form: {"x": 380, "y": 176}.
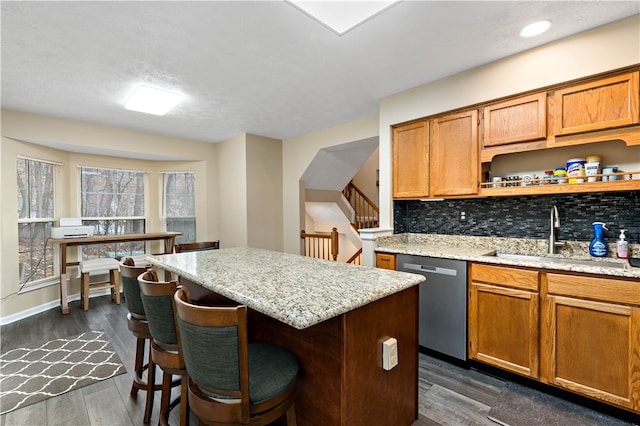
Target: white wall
{"x": 67, "y": 135}
{"x": 604, "y": 48}
{"x": 264, "y": 192}
{"x": 231, "y": 167}
{"x": 297, "y": 154}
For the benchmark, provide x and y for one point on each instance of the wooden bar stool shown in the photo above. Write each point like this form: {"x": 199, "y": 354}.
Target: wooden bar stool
{"x": 139, "y": 327}
{"x": 95, "y": 267}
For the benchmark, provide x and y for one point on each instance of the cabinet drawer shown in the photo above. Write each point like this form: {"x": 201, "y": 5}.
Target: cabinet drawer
{"x": 386, "y": 261}
{"x": 595, "y": 288}
{"x": 505, "y": 276}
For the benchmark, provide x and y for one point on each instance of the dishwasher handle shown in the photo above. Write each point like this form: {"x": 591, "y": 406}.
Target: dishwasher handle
{"x": 429, "y": 269}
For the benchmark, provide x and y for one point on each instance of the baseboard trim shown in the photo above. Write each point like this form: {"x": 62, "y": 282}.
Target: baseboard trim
{"x": 46, "y": 306}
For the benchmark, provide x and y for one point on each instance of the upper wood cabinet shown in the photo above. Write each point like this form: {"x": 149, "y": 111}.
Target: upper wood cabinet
{"x": 597, "y": 105}
{"x": 411, "y": 160}
{"x": 515, "y": 120}
{"x": 454, "y": 154}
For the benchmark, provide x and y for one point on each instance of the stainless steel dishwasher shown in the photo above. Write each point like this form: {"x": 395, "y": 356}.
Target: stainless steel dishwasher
{"x": 443, "y": 303}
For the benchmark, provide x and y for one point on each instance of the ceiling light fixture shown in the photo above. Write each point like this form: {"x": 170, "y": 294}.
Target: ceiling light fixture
{"x": 341, "y": 16}
{"x": 151, "y": 100}
{"x": 535, "y": 29}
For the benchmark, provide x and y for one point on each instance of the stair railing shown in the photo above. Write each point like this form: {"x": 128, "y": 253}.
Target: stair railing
{"x": 367, "y": 212}
{"x": 321, "y": 245}
{"x": 356, "y": 259}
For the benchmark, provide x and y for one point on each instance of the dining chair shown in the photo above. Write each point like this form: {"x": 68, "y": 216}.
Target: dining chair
{"x": 232, "y": 381}
{"x": 158, "y": 302}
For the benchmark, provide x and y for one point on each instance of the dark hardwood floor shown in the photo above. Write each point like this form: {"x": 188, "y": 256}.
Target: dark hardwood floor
{"x": 448, "y": 394}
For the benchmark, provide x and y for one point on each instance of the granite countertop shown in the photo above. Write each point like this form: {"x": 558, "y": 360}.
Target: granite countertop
{"x": 297, "y": 290}
{"x": 483, "y": 249}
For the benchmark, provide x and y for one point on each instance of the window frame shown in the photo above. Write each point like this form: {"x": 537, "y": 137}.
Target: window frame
{"x": 100, "y": 248}
{"x": 54, "y": 278}
{"x": 163, "y": 206}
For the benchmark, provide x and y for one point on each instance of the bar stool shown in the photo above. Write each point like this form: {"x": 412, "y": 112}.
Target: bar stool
{"x": 139, "y": 327}
{"x": 95, "y": 267}
{"x": 157, "y": 299}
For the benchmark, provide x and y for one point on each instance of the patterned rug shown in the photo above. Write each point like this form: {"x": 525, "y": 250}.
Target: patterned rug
{"x": 28, "y": 376}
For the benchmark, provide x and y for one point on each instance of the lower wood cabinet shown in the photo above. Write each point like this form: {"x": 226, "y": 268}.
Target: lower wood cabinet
{"x": 386, "y": 261}
{"x": 591, "y": 337}
{"x": 504, "y": 318}
{"x": 574, "y": 331}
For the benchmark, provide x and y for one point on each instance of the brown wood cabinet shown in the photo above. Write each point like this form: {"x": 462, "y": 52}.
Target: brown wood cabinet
{"x": 504, "y": 318}
{"x": 386, "y": 261}
{"x": 575, "y": 331}
{"x": 597, "y": 105}
{"x": 591, "y": 337}
{"x": 515, "y": 120}
{"x": 446, "y": 155}
{"x": 411, "y": 160}
{"x": 454, "y": 154}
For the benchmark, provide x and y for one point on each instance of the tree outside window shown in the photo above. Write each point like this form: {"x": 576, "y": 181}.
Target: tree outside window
{"x": 35, "y": 219}
{"x": 179, "y": 205}
{"x": 112, "y": 201}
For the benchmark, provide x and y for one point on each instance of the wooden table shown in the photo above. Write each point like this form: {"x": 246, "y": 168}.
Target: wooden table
{"x": 332, "y": 316}
{"x": 64, "y": 243}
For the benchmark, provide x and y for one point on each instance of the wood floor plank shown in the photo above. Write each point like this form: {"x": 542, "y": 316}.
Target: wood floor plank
{"x": 67, "y": 409}
{"x": 33, "y": 415}
{"x": 448, "y": 394}
{"x": 449, "y": 408}
{"x": 468, "y": 382}
{"x": 105, "y": 405}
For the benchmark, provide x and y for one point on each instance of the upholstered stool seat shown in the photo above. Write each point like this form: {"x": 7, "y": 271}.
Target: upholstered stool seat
{"x": 98, "y": 267}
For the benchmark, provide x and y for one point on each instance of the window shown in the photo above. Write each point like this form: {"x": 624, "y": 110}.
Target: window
{"x": 36, "y": 183}
{"x": 179, "y": 204}
{"x": 112, "y": 201}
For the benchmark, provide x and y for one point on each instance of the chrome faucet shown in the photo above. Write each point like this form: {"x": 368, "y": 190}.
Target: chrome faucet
{"x": 554, "y": 223}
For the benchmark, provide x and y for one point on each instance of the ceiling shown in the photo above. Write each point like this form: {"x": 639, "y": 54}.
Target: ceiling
{"x": 259, "y": 67}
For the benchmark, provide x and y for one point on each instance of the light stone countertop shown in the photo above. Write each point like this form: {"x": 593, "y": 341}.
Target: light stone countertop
{"x": 297, "y": 290}
{"x": 480, "y": 249}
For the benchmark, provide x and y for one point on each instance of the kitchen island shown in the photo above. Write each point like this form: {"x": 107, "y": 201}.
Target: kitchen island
{"x": 332, "y": 316}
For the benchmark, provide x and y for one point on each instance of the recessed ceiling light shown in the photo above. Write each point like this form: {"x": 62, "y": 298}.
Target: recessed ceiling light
{"x": 151, "y": 100}
{"x": 535, "y": 29}
{"x": 341, "y": 16}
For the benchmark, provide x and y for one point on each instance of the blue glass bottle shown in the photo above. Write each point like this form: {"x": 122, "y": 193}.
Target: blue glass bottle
{"x": 598, "y": 246}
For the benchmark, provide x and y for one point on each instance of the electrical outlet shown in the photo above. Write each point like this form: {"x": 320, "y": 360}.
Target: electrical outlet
{"x": 389, "y": 353}
{"x": 463, "y": 216}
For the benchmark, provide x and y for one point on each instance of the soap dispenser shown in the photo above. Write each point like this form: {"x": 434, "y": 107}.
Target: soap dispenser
{"x": 622, "y": 246}
{"x": 598, "y": 246}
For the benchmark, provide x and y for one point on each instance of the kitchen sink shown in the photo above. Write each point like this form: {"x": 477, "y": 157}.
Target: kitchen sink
{"x": 549, "y": 259}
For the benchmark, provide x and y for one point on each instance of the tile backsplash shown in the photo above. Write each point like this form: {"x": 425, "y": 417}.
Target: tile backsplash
{"x": 523, "y": 217}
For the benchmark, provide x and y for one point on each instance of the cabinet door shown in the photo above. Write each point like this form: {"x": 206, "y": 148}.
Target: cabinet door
{"x": 411, "y": 160}
{"x": 454, "y": 154}
{"x": 503, "y": 328}
{"x": 597, "y": 105}
{"x": 592, "y": 348}
{"x": 516, "y": 120}
{"x": 504, "y": 321}
{"x": 386, "y": 261}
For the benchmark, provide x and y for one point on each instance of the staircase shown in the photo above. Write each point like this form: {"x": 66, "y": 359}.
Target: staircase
{"x": 360, "y": 212}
